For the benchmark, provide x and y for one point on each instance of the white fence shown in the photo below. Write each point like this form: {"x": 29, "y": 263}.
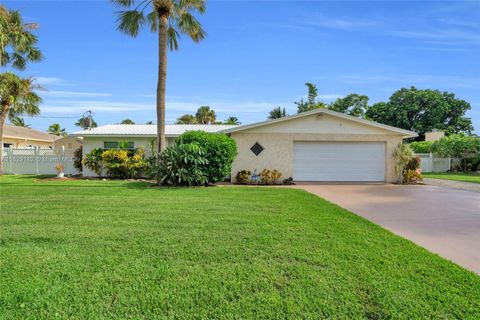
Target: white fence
{"x": 431, "y": 163}
{"x": 37, "y": 161}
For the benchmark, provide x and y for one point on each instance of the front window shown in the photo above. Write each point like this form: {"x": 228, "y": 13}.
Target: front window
{"x": 118, "y": 144}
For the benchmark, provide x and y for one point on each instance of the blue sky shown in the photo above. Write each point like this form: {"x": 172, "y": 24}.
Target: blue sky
{"x": 257, "y": 55}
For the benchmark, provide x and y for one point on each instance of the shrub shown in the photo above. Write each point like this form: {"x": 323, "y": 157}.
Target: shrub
{"x": 181, "y": 165}
{"x": 93, "y": 161}
{"x": 220, "y": 151}
{"x": 421, "y": 146}
{"x": 122, "y": 164}
{"x": 270, "y": 176}
{"x": 413, "y": 164}
{"x": 412, "y": 176}
{"x": 77, "y": 158}
{"x": 402, "y": 155}
{"x": 243, "y": 176}
{"x": 59, "y": 167}
{"x": 465, "y": 148}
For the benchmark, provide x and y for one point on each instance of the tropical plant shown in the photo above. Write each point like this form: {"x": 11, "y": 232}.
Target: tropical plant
{"x": 423, "y": 111}
{"x": 243, "y": 176}
{"x": 277, "y": 113}
{"x": 465, "y": 148}
{"x": 59, "y": 167}
{"x": 353, "y": 104}
{"x": 77, "y": 158}
{"x": 17, "y": 42}
{"x": 17, "y": 97}
{"x": 93, "y": 161}
{"x": 169, "y": 19}
{"x": 127, "y": 121}
{"x": 124, "y": 164}
{"x": 186, "y": 119}
{"x": 232, "y": 121}
{"x": 402, "y": 155}
{"x": 86, "y": 122}
{"x": 205, "y": 115}
{"x": 57, "y": 130}
{"x": 220, "y": 150}
{"x": 421, "y": 146}
{"x": 19, "y": 122}
{"x": 311, "y": 103}
{"x": 181, "y": 165}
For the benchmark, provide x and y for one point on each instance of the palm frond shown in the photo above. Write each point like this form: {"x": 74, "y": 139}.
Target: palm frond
{"x": 123, "y": 3}
{"x": 130, "y": 22}
{"x": 172, "y": 37}
{"x": 189, "y": 25}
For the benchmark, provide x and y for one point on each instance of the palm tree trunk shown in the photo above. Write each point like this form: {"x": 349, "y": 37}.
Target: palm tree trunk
{"x": 162, "y": 79}
{"x": 2, "y": 124}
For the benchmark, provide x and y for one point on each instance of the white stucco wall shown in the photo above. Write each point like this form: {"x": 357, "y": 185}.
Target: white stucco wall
{"x": 278, "y": 139}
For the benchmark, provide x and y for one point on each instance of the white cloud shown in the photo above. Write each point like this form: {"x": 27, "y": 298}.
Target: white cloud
{"x": 74, "y": 94}
{"x": 49, "y": 80}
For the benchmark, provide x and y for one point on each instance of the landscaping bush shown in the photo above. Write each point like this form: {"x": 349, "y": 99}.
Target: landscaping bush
{"x": 402, "y": 155}
{"x": 270, "y": 176}
{"x": 77, "y": 158}
{"x": 412, "y": 176}
{"x": 124, "y": 164}
{"x": 219, "y": 149}
{"x": 243, "y": 176}
{"x": 465, "y": 148}
{"x": 413, "y": 164}
{"x": 93, "y": 161}
{"x": 421, "y": 146}
{"x": 181, "y": 165}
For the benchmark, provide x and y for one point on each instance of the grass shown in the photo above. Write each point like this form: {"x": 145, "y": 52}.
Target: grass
{"x": 124, "y": 250}
{"x": 457, "y": 176}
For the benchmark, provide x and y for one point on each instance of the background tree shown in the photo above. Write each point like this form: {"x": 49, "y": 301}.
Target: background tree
{"x": 149, "y": 122}
{"x": 17, "y": 97}
{"x": 232, "y": 121}
{"x": 205, "y": 115}
{"x": 86, "y": 122}
{"x": 353, "y": 104}
{"x": 56, "y": 130}
{"x": 19, "y": 122}
{"x": 17, "y": 42}
{"x": 312, "y": 103}
{"x": 186, "y": 119}
{"x": 127, "y": 121}
{"x": 277, "y": 113}
{"x": 422, "y": 111}
{"x": 169, "y": 19}
{"x": 459, "y": 146}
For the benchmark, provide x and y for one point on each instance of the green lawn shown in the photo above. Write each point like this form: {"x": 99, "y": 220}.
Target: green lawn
{"x": 124, "y": 250}
{"x": 464, "y": 177}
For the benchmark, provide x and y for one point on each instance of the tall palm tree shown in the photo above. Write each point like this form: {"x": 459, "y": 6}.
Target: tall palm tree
{"x": 86, "y": 122}
{"x": 19, "y": 122}
{"x": 56, "y": 130}
{"x": 186, "y": 119}
{"x": 169, "y": 19}
{"x": 232, "y": 121}
{"x": 17, "y": 42}
{"x": 277, "y": 113}
{"x": 205, "y": 115}
{"x": 17, "y": 97}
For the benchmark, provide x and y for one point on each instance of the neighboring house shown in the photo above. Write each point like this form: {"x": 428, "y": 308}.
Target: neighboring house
{"x": 70, "y": 143}
{"x": 22, "y": 137}
{"x": 319, "y": 145}
{"x": 109, "y": 136}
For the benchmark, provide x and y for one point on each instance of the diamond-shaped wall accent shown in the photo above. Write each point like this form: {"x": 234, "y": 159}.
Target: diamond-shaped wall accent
{"x": 257, "y": 148}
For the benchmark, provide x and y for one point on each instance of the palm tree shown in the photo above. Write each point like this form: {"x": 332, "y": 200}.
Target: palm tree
{"x": 186, "y": 119}
{"x": 86, "y": 122}
{"x": 57, "y": 130}
{"x": 232, "y": 121}
{"x": 277, "y": 113}
{"x": 169, "y": 19}
{"x": 205, "y": 115}
{"x": 17, "y": 97}
{"x": 127, "y": 121}
{"x": 19, "y": 122}
{"x": 17, "y": 42}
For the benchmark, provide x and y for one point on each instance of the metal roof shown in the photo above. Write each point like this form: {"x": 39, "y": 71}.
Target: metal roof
{"x": 149, "y": 130}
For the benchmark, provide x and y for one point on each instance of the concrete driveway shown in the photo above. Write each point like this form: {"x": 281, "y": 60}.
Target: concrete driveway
{"x": 443, "y": 220}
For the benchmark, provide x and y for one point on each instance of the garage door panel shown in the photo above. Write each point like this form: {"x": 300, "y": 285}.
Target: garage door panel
{"x": 339, "y": 161}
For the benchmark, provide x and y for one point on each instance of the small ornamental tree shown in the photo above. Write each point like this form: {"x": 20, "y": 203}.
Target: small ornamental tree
{"x": 458, "y": 146}
{"x": 402, "y": 155}
{"x": 220, "y": 151}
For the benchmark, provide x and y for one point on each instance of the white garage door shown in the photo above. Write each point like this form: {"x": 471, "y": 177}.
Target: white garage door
{"x": 339, "y": 161}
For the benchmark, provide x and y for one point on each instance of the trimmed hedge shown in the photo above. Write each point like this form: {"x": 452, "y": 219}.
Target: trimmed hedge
{"x": 220, "y": 151}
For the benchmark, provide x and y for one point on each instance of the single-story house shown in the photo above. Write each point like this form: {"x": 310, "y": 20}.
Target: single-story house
{"x": 23, "y": 137}
{"x": 320, "y": 145}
